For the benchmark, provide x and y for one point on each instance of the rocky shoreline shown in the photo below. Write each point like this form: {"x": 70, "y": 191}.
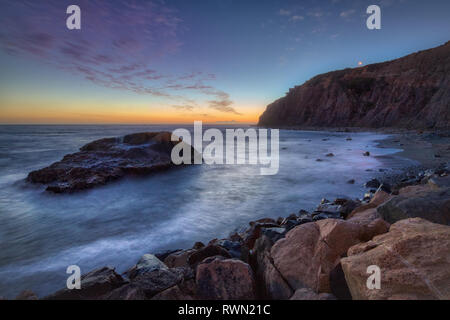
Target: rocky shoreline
{"x": 402, "y": 226}
{"x": 105, "y": 160}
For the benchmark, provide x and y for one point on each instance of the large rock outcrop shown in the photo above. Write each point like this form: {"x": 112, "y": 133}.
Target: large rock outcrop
{"x": 410, "y": 92}
{"x": 414, "y": 262}
{"x": 309, "y": 252}
{"x": 109, "y": 159}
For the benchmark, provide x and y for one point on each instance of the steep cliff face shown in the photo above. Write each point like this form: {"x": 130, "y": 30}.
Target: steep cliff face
{"x": 410, "y": 92}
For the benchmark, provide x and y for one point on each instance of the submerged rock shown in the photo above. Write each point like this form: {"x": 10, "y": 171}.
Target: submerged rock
{"x": 105, "y": 160}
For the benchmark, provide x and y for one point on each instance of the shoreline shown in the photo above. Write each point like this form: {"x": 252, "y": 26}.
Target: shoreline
{"x": 245, "y": 246}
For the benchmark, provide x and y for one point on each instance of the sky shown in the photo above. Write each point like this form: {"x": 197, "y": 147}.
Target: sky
{"x": 176, "y": 61}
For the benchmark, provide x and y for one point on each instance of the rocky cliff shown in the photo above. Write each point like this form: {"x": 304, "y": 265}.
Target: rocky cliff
{"x": 411, "y": 92}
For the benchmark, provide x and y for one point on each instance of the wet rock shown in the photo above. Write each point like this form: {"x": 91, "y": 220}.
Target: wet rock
{"x": 164, "y": 254}
{"x": 94, "y": 285}
{"x": 433, "y": 206}
{"x": 366, "y": 154}
{"x": 234, "y": 248}
{"x": 351, "y": 181}
{"x": 179, "y": 258}
{"x": 227, "y": 279}
{"x": 374, "y": 183}
{"x": 147, "y": 263}
{"x": 105, "y": 160}
{"x": 329, "y": 155}
{"x": 413, "y": 258}
{"x": 161, "y": 279}
{"x": 209, "y": 251}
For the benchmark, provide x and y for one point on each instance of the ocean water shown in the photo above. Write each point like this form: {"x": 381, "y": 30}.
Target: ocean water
{"x": 43, "y": 233}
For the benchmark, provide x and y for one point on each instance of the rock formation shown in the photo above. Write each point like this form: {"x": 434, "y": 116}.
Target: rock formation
{"x": 109, "y": 159}
{"x": 410, "y": 92}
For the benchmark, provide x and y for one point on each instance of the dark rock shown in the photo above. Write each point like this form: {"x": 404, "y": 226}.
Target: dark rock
{"x": 226, "y": 279}
{"x": 94, "y": 285}
{"x": 105, "y": 160}
{"x": 126, "y": 292}
{"x": 433, "y": 206}
{"x": 366, "y": 154}
{"x": 147, "y": 263}
{"x": 163, "y": 255}
{"x": 27, "y": 295}
{"x": 320, "y": 216}
{"x": 159, "y": 280}
{"x": 208, "y": 251}
{"x": 351, "y": 181}
{"x": 275, "y": 234}
{"x": 374, "y": 183}
{"x": 338, "y": 284}
{"x": 329, "y": 155}
{"x": 198, "y": 245}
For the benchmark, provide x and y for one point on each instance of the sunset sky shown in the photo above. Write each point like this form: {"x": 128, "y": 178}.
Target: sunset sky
{"x": 177, "y": 61}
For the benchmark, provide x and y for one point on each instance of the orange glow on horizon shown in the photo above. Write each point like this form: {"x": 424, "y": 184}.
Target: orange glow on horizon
{"x": 52, "y": 113}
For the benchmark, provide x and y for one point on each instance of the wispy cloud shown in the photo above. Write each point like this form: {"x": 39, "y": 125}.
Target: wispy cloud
{"x": 113, "y": 48}
{"x": 347, "y": 13}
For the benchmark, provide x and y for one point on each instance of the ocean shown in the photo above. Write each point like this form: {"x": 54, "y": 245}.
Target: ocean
{"x": 41, "y": 233}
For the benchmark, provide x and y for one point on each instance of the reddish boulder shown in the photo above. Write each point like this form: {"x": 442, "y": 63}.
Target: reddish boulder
{"x": 414, "y": 260}
{"x": 225, "y": 279}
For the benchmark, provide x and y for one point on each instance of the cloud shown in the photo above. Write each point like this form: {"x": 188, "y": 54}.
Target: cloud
{"x": 183, "y": 107}
{"x": 284, "y": 12}
{"x": 223, "y": 106}
{"x": 296, "y": 18}
{"x": 347, "y": 13}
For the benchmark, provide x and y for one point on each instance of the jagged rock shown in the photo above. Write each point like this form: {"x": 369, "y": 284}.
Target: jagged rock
{"x": 433, "y": 206}
{"x": 209, "y": 251}
{"x": 94, "y": 285}
{"x": 225, "y": 279}
{"x": 147, "y": 263}
{"x": 158, "y": 280}
{"x": 179, "y": 258}
{"x": 414, "y": 259}
{"x": 410, "y": 92}
{"x": 104, "y": 160}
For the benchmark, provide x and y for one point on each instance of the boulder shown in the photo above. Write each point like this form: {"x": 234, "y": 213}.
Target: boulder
{"x": 94, "y": 285}
{"x": 270, "y": 284}
{"x": 414, "y": 259}
{"x": 109, "y": 159}
{"x": 126, "y": 292}
{"x": 147, "y": 263}
{"x": 433, "y": 206}
{"x": 225, "y": 279}
{"x": 209, "y": 251}
{"x": 308, "y": 294}
{"x": 308, "y": 253}
{"x": 158, "y": 280}
{"x": 173, "y": 293}
{"x": 179, "y": 258}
